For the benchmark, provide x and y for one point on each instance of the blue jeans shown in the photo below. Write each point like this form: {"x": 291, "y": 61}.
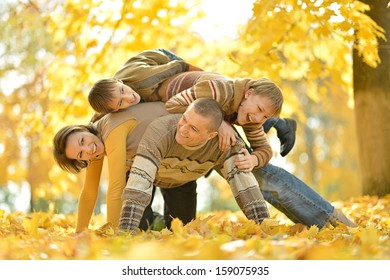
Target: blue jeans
{"x": 293, "y": 197}
{"x": 170, "y": 54}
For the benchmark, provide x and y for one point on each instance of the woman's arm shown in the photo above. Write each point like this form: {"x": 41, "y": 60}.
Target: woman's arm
{"x": 115, "y": 145}
{"x": 88, "y": 195}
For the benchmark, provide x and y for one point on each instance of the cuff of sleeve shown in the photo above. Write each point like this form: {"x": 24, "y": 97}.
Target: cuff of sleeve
{"x": 130, "y": 217}
{"x": 256, "y": 211}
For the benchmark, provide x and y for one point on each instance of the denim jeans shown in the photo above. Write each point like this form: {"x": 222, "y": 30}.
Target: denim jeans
{"x": 170, "y": 54}
{"x": 291, "y": 196}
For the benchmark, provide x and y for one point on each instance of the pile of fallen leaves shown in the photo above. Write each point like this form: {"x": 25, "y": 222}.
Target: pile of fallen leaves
{"x": 220, "y": 235}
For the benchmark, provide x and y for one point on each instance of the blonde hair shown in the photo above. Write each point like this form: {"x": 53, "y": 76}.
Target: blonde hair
{"x": 267, "y": 88}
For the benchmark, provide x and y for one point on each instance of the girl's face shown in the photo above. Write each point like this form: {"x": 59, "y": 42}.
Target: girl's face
{"x": 122, "y": 97}
{"x": 83, "y": 145}
{"x": 254, "y": 109}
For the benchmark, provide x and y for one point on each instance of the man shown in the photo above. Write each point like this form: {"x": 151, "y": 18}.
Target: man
{"x": 177, "y": 149}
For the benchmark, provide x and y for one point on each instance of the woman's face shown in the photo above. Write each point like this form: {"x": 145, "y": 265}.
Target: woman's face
{"x": 83, "y": 145}
{"x": 122, "y": 97}
{"x": 254, "y": 109}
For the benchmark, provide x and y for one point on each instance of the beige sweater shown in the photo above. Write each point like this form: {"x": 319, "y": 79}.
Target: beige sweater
{"x": 162, "y": 162}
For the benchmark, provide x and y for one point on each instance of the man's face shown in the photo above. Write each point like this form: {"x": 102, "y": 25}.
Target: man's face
{"x": 193, "y": 129}
{"x": 122, "y": 97}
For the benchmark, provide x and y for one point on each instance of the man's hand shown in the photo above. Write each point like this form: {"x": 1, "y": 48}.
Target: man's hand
{"x": 227, "y": 136}
{"x": 246, "y": 162}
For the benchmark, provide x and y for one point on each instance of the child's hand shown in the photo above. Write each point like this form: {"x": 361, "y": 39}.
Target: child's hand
{"x": 246, "y": 162}
{"x": 227, "y": 136}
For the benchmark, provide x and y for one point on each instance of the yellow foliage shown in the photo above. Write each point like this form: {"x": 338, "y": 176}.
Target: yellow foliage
{"x": 220, "y": 235}
{"x": 298, "y": 44}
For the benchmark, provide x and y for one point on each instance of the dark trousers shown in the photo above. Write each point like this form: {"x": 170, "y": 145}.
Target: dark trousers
{"x": 180, "y": 203}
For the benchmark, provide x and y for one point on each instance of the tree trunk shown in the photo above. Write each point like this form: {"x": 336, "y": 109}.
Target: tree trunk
{"x": 372, "y": 109}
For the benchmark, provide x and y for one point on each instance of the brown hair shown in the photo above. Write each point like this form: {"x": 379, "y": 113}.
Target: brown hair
{"x": 267, "y": 88}
{"x": 59, "y": 146}
{"x": 209, "y": 108}
{"x": 100, "y": 95}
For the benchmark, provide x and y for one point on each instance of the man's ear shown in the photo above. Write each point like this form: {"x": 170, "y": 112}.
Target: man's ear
{"x": 212, "y": 135}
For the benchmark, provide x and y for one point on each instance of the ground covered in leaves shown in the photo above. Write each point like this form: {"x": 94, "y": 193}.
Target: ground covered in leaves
{"x": 220, "y": 235}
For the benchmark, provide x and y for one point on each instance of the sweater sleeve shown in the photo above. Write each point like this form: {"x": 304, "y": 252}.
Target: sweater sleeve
{"x": 88, "y": 194}
{"x": 138, "y": 192}
{"x": 245, "y": 189}
{"x": 259, "y": 143}
{"x": 115, "y": 145}
{"x": 217, "y": 89}
{"x": 148, "y": 69}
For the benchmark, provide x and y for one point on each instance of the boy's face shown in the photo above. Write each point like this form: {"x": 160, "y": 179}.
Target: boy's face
{"x": 254, "y": 108}
{"x": 122, "y": 97}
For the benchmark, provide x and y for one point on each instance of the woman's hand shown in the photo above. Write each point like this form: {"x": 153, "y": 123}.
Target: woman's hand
{"x": 245, "y": 161}
{"x": 227, "y": 136}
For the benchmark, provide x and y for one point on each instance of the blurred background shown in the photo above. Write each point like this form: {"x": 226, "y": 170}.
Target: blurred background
{"x": 51, "y": 52}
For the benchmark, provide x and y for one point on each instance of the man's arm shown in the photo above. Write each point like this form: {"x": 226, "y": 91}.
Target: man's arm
{"x": 138, "y": 191}
{"x": 245, "y": 189}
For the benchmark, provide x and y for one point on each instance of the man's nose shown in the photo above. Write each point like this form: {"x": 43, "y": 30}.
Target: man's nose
{"x": 184, "y": 129}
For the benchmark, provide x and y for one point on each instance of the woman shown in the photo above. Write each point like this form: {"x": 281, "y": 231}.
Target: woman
{"x": 115, "y": 136}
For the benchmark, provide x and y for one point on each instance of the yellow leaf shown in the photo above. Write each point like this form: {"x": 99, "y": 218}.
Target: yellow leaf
{"x": 177, "y": 226}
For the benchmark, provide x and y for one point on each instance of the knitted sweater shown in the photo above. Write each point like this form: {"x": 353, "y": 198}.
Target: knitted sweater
{"x": 120, "y": 132}
{"x": 184, "y": 88}
{"x": 161, "y": 161}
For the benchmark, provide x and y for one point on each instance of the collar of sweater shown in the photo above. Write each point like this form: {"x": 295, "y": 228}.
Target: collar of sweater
{"x": 194, "y": 147}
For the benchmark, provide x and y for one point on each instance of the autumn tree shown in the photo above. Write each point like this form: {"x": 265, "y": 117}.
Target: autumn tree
{"x": 372, "y": 103}
{"x": 53, "y": 51}
{"x": 306, "y": 47}
{"x": 24, "y": 98}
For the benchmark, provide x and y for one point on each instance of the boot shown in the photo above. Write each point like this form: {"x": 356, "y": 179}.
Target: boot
{"x": 286, "y": 133}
